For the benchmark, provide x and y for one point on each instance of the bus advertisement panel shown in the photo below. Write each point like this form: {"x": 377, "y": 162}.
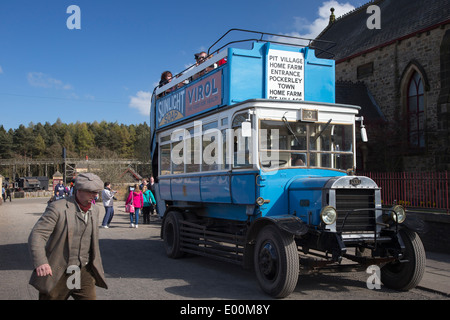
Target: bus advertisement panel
{"x": 194, "y": 98}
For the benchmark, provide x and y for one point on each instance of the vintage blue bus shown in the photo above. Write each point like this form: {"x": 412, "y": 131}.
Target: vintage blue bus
{"x": 254, "y": 164}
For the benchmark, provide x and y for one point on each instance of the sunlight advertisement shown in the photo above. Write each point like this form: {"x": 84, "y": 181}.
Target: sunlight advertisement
{"x": 171, "y": 107}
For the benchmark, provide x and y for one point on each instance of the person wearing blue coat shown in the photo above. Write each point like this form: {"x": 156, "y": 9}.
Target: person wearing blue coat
{"x": 149, "y": 202}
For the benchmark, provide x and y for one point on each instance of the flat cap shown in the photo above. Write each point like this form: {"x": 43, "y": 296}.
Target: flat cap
{"x": 88, "y": 182}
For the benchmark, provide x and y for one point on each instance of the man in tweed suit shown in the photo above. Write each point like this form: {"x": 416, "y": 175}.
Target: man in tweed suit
{"x": 64, "y": 245}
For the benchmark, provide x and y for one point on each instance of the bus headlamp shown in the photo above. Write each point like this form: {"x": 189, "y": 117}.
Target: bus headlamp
{"x": 398, "y": 214}
{"x": 328, "y": 215}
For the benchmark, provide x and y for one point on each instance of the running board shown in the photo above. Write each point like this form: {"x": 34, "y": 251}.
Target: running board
{"x": 198, "y": 240}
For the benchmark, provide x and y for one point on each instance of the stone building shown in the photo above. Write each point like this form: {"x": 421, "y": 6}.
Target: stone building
{"x": 393, "y": 59}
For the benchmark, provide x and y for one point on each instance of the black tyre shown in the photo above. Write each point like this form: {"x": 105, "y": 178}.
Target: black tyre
{"x": 171, "y": 234}
{"x": 276, "y": 262}
{"x": 407, "y": 275}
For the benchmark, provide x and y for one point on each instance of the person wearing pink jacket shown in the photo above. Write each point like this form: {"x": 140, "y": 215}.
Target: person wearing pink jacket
{"x": 137, "y": 200}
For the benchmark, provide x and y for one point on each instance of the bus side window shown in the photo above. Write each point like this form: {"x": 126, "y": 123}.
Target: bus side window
{"x": 242, "y": 145}
{"x": 225, "y": 152}
{"x": 211, "y": 142}
{"x": 165, "y": 159}
{"x": 178, "y": 159}
{"x": 194, "y": 149}
{"x": 155, "y": 162}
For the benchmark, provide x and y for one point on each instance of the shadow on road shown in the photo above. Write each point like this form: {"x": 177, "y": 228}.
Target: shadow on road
{"x": 15, "y": 256}
{"x": 203, "y": 278}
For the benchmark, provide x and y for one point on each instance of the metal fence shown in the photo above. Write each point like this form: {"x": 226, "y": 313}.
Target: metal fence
{"x": 413, "y": 189}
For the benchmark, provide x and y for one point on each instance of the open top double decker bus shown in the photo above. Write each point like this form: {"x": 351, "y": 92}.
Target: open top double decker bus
{"x": 254, "y": 164}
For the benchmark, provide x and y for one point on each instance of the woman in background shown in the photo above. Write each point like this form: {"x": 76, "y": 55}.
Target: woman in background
{"x": 137, "y": 200}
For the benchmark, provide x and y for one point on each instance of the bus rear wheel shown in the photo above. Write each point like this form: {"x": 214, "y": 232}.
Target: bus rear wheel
{"x": 172, "y": 234}
{"x": 276, "y": 262}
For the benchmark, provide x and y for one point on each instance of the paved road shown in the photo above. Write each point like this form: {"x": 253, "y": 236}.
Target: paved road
{"x": 136, "y": 267}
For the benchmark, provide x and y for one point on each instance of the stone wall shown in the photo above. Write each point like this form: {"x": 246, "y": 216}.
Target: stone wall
{"x": 436, "y": 237}
{"x": 392, "y": 67}
{"x": 443, "y": 162}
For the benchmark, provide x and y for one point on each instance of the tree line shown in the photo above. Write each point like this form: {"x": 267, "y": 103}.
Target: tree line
{"x": 97, "y": 140}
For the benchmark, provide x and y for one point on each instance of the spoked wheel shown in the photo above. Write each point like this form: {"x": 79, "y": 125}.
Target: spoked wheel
{"x": 406, "y": 275}
{"x": 276, "y": 262}
{"x": 171, "y": 234}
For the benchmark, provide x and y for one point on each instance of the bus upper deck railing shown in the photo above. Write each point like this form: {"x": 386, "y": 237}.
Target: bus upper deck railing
{"x": 291, "y": 39}
{"x": 218, "y": 54}
{"x": 188, "y": 74}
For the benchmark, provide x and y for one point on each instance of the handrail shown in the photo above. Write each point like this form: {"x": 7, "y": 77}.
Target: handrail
{"x": 273, "y": 35}
{"x": 189, "y": 72}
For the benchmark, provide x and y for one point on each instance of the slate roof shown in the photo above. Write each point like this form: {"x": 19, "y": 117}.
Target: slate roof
{"x": 357, "y": 94}
{"x": 399, "y": 18}
{"x": 133, "y": 173}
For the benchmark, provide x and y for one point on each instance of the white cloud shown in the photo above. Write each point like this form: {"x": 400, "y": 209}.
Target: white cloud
{"x": 310, "y": 30}
{"x": 39, "y": 79}
{"x": 141, "y": 102}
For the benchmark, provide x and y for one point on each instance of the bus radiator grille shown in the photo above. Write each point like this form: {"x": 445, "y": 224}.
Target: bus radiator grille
{"x": 348, "y": 200}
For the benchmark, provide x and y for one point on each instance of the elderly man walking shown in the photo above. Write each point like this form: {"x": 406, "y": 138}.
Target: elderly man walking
{"x": 64, "y": 245}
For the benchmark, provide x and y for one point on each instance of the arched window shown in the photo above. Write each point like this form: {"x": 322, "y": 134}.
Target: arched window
{"x": 416, "y": 112}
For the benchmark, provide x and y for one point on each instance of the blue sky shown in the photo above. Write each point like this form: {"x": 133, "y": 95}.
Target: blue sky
{"x": 107, "y": 69}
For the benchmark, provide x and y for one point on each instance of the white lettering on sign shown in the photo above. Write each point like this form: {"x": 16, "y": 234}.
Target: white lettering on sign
{"x": 285, "y": 75}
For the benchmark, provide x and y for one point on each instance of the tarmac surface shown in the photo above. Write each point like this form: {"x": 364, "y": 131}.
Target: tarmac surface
{"x": 437, "y": 273}
{"x": 18, "y": 217}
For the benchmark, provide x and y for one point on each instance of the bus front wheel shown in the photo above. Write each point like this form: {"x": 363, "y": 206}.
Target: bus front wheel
{"x": 276, "y": 262}
{"x": 406, "y": 275}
